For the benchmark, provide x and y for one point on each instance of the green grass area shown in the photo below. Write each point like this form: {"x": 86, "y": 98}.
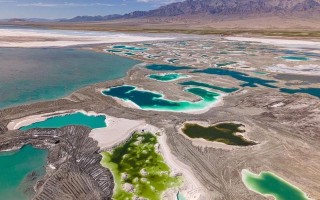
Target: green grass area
{"x": 223, "y": 132}
{"x": 137, "y": 163}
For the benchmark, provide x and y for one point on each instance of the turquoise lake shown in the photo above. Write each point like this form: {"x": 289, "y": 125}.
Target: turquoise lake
{"x": 15, "y": 167}
{"x": 148, "y": 100}
{"x": 200, "y": 84}
{"x": 167, "y": 77}
{"x": 77, "y": 118}
{"x": 30, "y": 75}
{"x": 270, "y": 184}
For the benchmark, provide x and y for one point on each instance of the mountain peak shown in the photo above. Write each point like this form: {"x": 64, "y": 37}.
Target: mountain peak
{"x": 221, "y": 8}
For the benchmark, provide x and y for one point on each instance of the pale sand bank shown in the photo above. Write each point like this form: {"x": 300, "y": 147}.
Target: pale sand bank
{"x": 26, "y": 121}
{"x": 311, "y": 69}
{"x": 32, "y": 39}
{"x": 191, "y": 188}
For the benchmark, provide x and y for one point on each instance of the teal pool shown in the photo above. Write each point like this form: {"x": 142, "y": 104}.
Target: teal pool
{"x": 14, "y": 171}
{"x": 249, "y": 81}
{"x": 129, "y": 54}
{"x": 77, "y": 118}
{"x": 159, "y": 67}
{"x": 295, "y": 58}
{"x": 167, "y": 77}
{"x": 311, "y": 91}
{"x": 269, "y": 184}
{"x": 147, "y": 100}
{"x": 130, "y": 48}
{"x": 200, "y": 84}
{"x": 114, "y": 51}
{"x": 30, "y": 75}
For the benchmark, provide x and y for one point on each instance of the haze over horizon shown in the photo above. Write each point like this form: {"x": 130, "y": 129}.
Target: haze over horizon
{"x": 56, "y": 9}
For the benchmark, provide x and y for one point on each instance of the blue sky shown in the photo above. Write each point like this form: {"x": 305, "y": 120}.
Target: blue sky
{"x": 52, "y": 9}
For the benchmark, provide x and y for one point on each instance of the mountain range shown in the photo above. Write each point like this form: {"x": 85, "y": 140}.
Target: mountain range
{"x": 219, "y": 8}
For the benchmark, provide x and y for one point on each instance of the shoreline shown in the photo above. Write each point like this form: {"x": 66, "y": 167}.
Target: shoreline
{"x": 107, "y": 140}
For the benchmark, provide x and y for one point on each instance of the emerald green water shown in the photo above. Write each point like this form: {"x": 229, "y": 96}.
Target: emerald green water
{"x": 78, "y": 118}
{"x": 200, "y": 84}
{"x": 167, "y": 77}
{"x": 139, "y": 153}
{"x": 15, "y": 167}
{"x": 147, "y": 100}
{"x": 269, "y": 184}
{"x": 224, "y": 132}
{"x": 37, "y": 74}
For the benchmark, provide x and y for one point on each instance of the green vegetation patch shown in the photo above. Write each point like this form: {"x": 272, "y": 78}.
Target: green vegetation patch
{"x": 138, "y": 169}
{"x": 223, "y": 132}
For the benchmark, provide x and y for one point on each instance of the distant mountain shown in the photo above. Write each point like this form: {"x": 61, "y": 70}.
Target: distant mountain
{"x": 231, "y": 7}
{"x": 218, "y": 8}
{"x": 92, "y": 18}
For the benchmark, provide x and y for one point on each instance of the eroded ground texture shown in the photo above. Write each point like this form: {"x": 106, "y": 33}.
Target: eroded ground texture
{"x": 285, "y": 126}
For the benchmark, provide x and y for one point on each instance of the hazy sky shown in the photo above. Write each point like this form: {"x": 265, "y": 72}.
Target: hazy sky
{"x": 70, "y": 8}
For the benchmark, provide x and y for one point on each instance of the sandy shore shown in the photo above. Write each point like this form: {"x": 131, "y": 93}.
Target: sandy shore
{"x": 31, "y": 39}
{"x": 191, "y": 189}
{"x": 278, "y": 42}
{"x": 25, "y": 121}
{"x": 118, "y": 131}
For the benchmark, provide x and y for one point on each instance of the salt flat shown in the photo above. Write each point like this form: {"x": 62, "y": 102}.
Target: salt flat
{"x": 28, "y": 38}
